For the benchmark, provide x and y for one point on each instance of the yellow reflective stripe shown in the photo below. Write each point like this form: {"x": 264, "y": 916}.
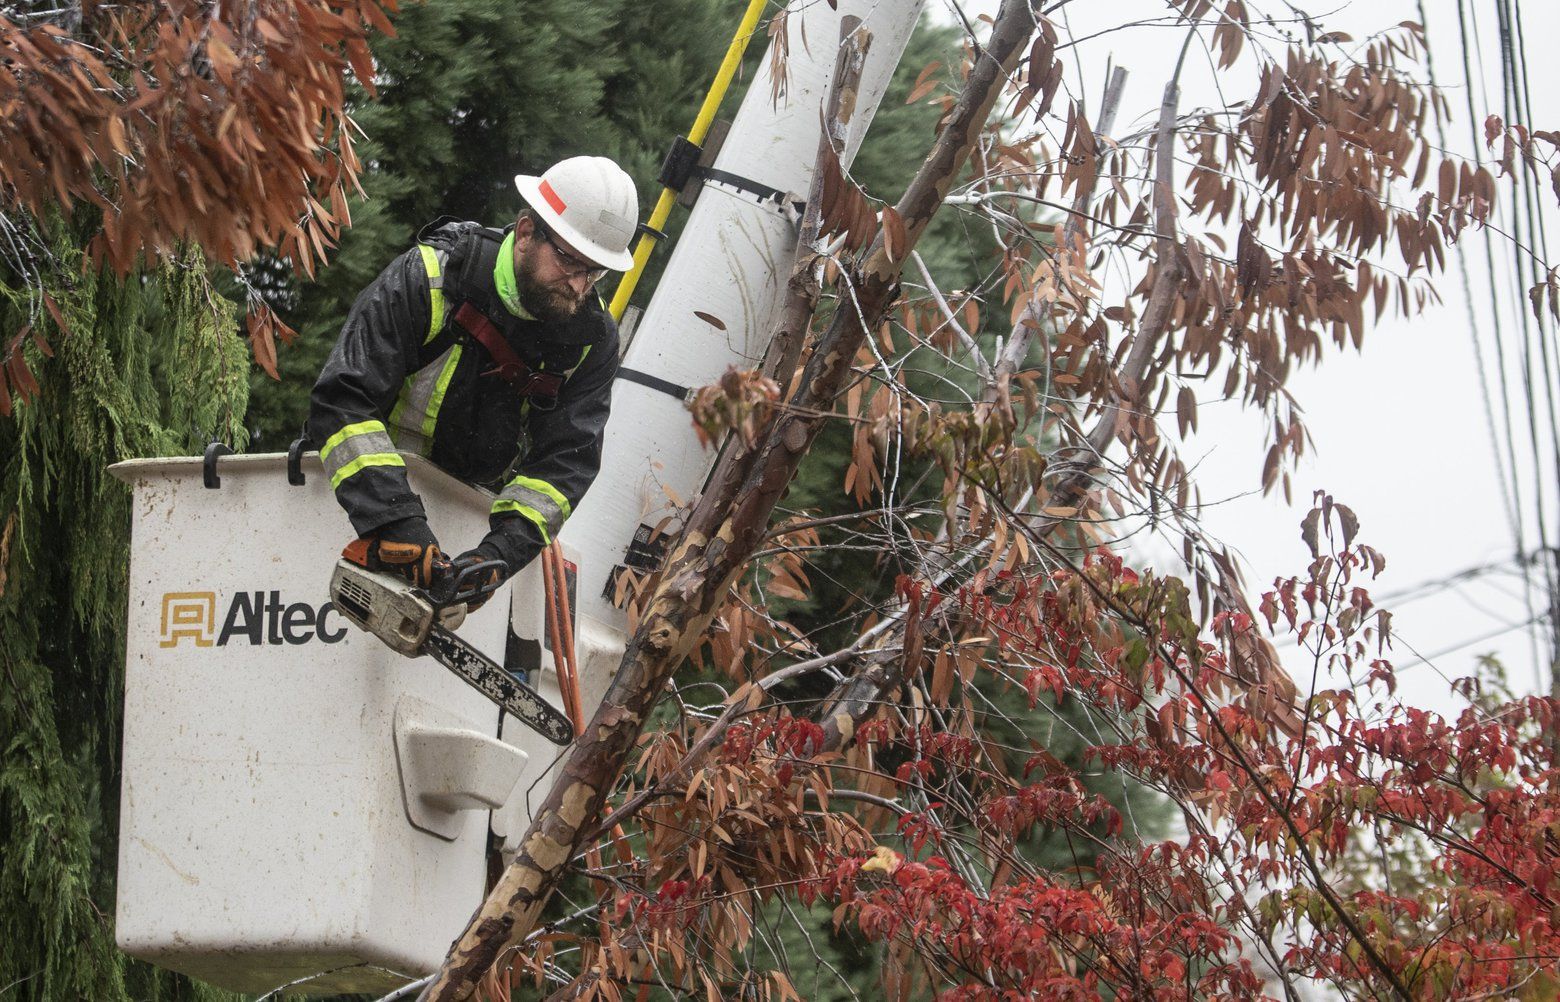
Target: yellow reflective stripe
{"x": 396, "y": 424}
{"x": 547, "y": 489}
{"x": 524, "y": 509}
{"x": 361, "y": 428}
{"x": 536, "y": 499}
{"x": 435, "y": 290}
{"x": 362, "y": 462}
{"x": 417, "y": 407}
{"x": 435, "y": 402}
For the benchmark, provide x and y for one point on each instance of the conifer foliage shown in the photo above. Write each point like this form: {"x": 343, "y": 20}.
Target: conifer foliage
{"x": 143, "y": 368}
{"x": 141, "y": 146}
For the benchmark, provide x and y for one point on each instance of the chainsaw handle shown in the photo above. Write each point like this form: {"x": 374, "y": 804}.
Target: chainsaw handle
{"x": 459, "y": 585}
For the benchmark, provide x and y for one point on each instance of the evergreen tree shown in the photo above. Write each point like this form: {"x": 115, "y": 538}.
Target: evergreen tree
{"x": 152, "y": 366}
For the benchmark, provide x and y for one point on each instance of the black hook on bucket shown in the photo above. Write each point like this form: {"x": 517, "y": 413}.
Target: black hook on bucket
{"x": 209, "y": 464}
{"x": 295, "y": 460}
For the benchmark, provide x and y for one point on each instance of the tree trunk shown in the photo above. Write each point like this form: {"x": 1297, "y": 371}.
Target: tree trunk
{"x": 724, "y": 530}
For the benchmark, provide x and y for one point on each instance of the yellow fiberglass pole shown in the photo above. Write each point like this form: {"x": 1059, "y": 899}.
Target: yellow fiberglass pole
{"x": 696, "y": 135}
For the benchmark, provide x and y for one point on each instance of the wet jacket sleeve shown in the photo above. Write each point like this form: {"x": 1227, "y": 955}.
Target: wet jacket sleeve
{"x": 357, "y": 390}
{"x": 562, "y": 460}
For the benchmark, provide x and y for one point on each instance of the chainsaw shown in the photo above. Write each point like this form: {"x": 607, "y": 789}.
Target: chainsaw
{"x": 413, "y": 622}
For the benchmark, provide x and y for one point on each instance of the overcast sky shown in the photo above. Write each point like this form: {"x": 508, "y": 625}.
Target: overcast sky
{"x": 1400, "y": 429}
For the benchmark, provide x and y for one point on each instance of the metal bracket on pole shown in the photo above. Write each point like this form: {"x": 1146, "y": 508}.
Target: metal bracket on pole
{"x": 688, "y": 192}
{"x": 679, "y": 164}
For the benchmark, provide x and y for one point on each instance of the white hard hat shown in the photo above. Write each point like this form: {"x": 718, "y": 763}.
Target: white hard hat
{"x": 591, "y": 203}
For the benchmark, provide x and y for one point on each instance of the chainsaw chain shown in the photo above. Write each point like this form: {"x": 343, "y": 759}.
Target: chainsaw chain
{"x": 517, "y": 698}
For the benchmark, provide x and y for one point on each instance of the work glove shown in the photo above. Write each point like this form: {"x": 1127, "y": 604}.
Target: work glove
{"x": 483, "y": 552}
{"x": 405, "y": 548}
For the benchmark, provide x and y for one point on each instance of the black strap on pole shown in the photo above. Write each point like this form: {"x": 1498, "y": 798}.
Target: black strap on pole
{"x": 666, "y": 386}
{"x": 760, "y": 191}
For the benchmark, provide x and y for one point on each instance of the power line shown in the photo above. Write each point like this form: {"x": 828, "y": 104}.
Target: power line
{"x": 1429, "y": 659}
{"x": 1524, "y": 103}
{"x": 1431, "y": 586}
{"x": 1489, "y": 263}
{"x": 1503, "y": 476}
{"x": 1521, "y": 214}
{"x": 1392, "y": 601}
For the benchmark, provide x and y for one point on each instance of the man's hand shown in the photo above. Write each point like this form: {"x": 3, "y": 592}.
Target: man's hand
{"x": 483, "y": 553}
{"x": 405, "y": 548}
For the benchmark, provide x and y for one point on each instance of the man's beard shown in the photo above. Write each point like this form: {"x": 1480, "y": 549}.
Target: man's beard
{"x": 549, "y": 305}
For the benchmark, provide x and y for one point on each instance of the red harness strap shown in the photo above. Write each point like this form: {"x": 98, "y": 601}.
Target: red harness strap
{"x": 511, "y": 368}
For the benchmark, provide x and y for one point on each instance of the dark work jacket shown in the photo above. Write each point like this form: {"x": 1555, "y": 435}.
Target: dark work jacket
{"x": 542, "y": 458}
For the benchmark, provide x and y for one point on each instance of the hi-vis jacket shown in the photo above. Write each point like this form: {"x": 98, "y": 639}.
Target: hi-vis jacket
{"x": 404, "y": 375}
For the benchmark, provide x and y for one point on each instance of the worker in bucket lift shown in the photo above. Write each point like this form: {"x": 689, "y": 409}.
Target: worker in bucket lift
{"x": 489, "y": 353}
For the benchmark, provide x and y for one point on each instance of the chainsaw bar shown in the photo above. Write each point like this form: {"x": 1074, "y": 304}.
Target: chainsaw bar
{"x": 482, "y": 674}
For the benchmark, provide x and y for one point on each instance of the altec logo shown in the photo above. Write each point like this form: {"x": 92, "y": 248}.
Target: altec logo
{"x": 259, "y": 617}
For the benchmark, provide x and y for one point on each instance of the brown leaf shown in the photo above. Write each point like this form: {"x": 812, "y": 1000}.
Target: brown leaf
{"x": 862, "y": 227}
{"x": 942, "y": 678}
{"x": 1186, "y": 410}
{"x": 269, "y": 30}
{"x": 895, "y": 240}
{"x": 362, "y": 64}
{"x": 261, "y": 342}
{"x": 1350, "y": 523}
{"x": 22, "y": 377}
{"x": 1447, "y": 189}
{"x": 56, "y": 313}
{"x": 713, "y": 321}
{"x": 1309, "y": 532}
{"x": 117, "y": 135}
{"x": 1270, "y": 467}
{"x": 830, "y": 198}
{"x": 924, "y": 83}
{"x": 223, "y": 59}
{"x": 377, "y": 18}
{"x": 845, "y": 211}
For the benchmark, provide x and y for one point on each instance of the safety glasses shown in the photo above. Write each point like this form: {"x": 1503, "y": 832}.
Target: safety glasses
{"x": 569, "y": 263}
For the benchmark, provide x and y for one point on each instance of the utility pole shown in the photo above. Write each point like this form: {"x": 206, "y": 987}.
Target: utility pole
{"x": 1552, "y": 556}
